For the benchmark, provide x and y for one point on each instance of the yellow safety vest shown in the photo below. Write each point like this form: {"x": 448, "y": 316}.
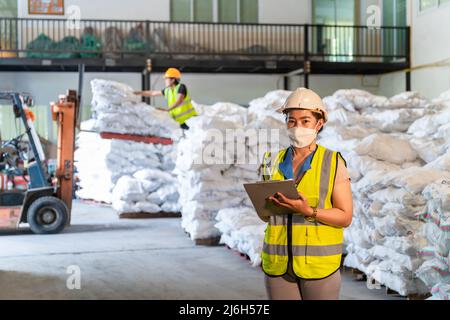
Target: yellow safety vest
{"x": 313, "y": 248}
{"x": 182, "y": 112}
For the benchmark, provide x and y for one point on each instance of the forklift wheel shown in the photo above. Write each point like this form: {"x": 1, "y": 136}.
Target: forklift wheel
{"x": 47, "y": 215}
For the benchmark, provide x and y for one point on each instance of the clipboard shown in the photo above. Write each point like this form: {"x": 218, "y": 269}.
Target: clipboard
{"x": 258, "y": 193}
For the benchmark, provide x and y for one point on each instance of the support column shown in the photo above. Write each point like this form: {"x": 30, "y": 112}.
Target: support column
{"x": 408, "y": 80}
{"x": 81, "y": 69}
{"x": 286, "y": 83}
{"x": 143, "y": 84}
{"x": 408, "y": 58}
{"x": 306, "y": 62}
{"x": 147, "y": 73}
{"x": 306, "y": 72}
{"x": 306, "y": 80}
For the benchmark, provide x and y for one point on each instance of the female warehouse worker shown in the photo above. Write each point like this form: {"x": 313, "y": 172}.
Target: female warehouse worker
{"x": 302, "y": 251}
{"x": 178, "y": 99}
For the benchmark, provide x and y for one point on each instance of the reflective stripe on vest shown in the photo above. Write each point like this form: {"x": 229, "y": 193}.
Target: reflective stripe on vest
{"x": 316, "y": 248}
{"x": 184, "y": 111}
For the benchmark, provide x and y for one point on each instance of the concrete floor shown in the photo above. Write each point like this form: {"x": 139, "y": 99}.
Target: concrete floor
{"x": 131, "y": 259}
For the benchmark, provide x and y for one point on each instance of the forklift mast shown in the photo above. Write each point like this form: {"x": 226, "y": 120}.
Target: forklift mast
{"x": 64, "y": 112}
{"x": 38, "y": 176}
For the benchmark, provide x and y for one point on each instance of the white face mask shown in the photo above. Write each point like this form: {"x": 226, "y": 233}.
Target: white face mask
{"x": 301, "y": 137}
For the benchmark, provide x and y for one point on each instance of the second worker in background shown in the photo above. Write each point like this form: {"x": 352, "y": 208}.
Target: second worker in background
{"x": 177, "y": 96}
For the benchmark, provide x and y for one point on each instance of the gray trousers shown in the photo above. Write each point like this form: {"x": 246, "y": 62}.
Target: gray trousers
{"x": 289, "y": 287}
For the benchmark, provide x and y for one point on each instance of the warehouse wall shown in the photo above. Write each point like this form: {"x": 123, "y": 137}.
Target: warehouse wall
{"x": 274, "y": 11}
{"x": 108, "y": 9}
{"x": 326, "y": 85}
{"x": 205, "y": 88}
{"x": 270, "y": 11}
{"x": 430, "y": 34}
{"x": 429, "y": 31}
{"x": 393, "y": 83}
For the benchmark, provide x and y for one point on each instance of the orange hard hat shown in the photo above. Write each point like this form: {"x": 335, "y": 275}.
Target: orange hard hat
{"x": 173, "y": 73}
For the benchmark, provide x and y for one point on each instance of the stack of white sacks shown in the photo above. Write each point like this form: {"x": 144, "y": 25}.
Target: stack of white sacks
{"x": 94, "y": 177}
{"x": 208, "y": 179}
{"x": 384, "y": 142}
{"x": 133, "y": 176}
{"x": 221, "y": 151}
{"x": 397, "y": 150}
{"x": 241, "y": 228}
{"x": 435, "y": 271}
{"x": 434, "y": 130}
{"x": 386, "y": 152}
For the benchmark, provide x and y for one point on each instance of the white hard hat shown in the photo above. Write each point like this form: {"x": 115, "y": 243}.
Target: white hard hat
{"x": 302, "y": 98}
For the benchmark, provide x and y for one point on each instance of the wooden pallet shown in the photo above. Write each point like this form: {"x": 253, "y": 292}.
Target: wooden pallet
{"x": 357, "y": 274}
{"x": 361, "y": 276}
{"x": 207, "y": 242}
{"x": 214, "y": 241}
{"x": 412, "y": 296}
{"x": 91, "y": 201}
{"x": 136, "y": 138}
{"x": 418, "y": 296}
{"x": 242, "y": 255}
{"x": 147, "y": 215}
{"x": 391, "y": 292}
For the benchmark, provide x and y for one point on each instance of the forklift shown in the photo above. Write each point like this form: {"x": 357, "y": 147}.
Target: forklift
{"x": 46, "y": 201}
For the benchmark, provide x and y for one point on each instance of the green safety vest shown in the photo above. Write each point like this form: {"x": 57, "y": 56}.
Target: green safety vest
{"x": 313, "y": 248}
{"x": 184, "y": 111}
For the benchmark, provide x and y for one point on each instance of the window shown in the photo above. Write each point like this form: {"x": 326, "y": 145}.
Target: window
{"x": 203, "y": 10}
{"x": 180, "y": 10}
{"x": 334, "y": 12}
{"x": 393, "y": 40}
{"x": 8, "y": 8}
{"x": 337, "y": 44}
{"x": 228, "y": 11}
{"x": 248, "y": 11}
{"x": 240, "y": 11}
{"x": 8, "y": 27}
{"x": 427, "y": 4}
{"x": 232, "y": 11}
{"x": 394, "y": 13}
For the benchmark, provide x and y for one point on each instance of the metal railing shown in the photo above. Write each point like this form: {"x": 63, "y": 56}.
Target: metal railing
{"x": 61, "y": 38}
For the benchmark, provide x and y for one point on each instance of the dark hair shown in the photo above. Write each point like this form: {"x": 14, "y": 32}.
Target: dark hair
{"x": 176, "y": 81}
{"x": 316, "y": 115}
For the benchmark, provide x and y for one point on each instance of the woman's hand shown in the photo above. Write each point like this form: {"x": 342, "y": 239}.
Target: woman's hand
{"x": 297, "y": 205}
